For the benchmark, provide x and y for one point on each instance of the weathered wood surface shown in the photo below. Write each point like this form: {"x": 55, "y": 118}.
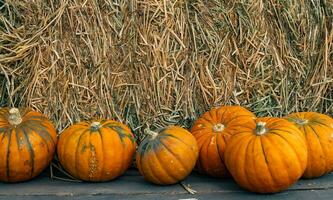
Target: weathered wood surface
{"x": 133, "y": 186}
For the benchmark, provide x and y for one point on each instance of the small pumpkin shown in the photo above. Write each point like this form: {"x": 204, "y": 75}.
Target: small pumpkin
{"x": 211, "y": 131}
{"x": 96, "y": 151}
{"x": 28, "y": 142}
{"x": 318, "y": 131}
{"x": 167, "y": 156}
{"x": 266, "y": 155}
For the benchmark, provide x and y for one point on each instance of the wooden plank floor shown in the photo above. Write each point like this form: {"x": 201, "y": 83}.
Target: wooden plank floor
{"x": 132, "y": 186}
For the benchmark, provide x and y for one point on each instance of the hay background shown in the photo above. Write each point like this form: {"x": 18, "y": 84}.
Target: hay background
{"x": 155, "y": 63}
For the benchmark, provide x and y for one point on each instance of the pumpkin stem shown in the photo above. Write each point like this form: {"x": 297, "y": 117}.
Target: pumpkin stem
{"x": 218, "y": 127}
{"x": 261, "y": 128}
{"x": 301, "y": 121}
{"x": 14, "y": 117}
{"x": 151, "y": 133}
{"x": 94, "y": 126}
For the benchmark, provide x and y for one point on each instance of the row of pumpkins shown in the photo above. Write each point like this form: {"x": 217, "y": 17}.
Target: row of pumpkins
{"x": 264, "y": 155}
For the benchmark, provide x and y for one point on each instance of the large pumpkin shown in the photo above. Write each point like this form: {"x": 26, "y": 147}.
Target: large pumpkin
{"x": 168, "y": 156}
{"x": 318, "y": 131}
{"x": 28, "y": 141}
{"x": 266, "y": 155}
{"x": 211, "y": 131}
{"x": 96, "y": 151}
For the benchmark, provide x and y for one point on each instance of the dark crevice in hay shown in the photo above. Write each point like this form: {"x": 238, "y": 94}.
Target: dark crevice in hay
{"x": 4, "y": 96}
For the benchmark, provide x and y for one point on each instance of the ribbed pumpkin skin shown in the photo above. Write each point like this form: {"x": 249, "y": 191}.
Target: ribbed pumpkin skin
{"x": 96, "y": 155}
{"x": 270, "y": 162}
{"x": 169, "y": 158}
{"x": 212, "y": 143}
{"x": 26, "y": 149}
{"x": 318, "y": 132}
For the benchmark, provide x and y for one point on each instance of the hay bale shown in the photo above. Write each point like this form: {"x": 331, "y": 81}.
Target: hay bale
{"x": 156, "y": 63}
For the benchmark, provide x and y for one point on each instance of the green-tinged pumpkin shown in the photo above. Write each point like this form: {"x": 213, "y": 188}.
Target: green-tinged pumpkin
{"x": 266, "y": 155}
{"x": 211, "y": 131}
{"x": 168, "y": 156}
{"x": 318, "y": 131}
{"x": 28, "y": 142}
{"x": 96, "y": 151}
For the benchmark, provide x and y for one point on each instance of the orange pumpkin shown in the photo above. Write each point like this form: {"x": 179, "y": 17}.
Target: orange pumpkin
{"x": 211, "y": 131}
{"x": 28, "y": 142}
{"x": 266, "y": 155}
{"x": 318, "y": 131}
{"x": 96, "y": 151}
{"x": 168, "y": 156}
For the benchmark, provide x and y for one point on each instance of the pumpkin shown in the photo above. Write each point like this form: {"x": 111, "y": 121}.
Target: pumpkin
{"x": 167, "y": 156}
{"x": 266, "y": 155}
{"x": 28, "y": 142}
{"x": 211, "y": 131}
{"x": 318, "y": 131}
{"x": 96, "y": 151}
